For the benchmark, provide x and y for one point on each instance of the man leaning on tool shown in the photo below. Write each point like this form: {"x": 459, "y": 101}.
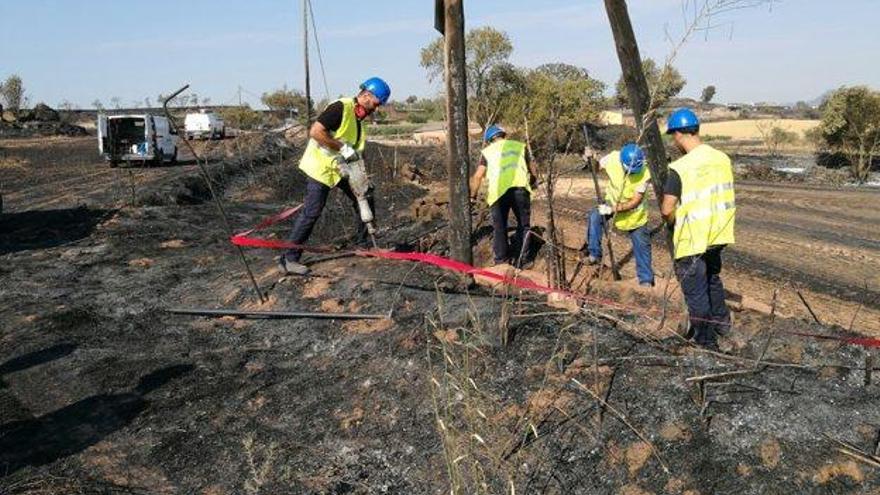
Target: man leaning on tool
{"x": 699, "y": 199}
{"x": 337, "y": 136}
{"x": 628, "y": 180}
{"x": 505, "y": 163}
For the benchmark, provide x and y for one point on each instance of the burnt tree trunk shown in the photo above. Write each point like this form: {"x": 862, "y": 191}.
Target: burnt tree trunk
{"x": 457, "y": 160}
{"x": 639, "y": 96}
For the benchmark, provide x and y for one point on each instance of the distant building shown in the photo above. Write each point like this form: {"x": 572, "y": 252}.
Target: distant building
{"x": 739, "y": 106}
{"x": 617, "y": 116}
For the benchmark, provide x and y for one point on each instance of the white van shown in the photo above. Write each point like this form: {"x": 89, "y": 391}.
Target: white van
{"x": 143, "y": 138}
{"x": 204, "y": 124}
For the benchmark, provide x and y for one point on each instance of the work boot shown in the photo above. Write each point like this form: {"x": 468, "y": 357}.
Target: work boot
{"x": 710, "y": 345}
{"x": 290, "y": 267}
{"x": 723, "y": 328}
{"x": 592, "y": 260}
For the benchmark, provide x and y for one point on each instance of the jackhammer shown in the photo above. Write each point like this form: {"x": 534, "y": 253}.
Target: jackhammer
{"x": 356, "y": 172}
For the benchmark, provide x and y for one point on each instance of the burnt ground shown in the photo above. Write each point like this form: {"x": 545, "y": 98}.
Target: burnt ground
{"x": 101, "y": 391}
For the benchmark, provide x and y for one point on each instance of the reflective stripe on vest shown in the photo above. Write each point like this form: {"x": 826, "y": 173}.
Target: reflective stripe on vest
{"x": 318, "y": 162}
{"x": 707, "y": 212}
{"x": 505, "y": 168}
{"x": 621, "y": 188}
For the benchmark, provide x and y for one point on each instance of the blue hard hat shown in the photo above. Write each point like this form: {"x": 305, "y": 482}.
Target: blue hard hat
{"x": 632, "y": 157}
{"x": 682, "y": 119}
{"x": 379, "y": 88}
{"x": 493, "y": 131}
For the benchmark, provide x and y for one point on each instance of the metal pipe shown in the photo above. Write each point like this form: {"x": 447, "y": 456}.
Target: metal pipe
{"x": 614, "y": 271}
{"x": 214, "y": 196}
{"x": 274, "y": 315}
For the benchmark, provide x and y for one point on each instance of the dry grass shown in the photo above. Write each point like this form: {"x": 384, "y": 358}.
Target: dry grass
{"x": 13, "y": 163}
{"x": 750, "y": 129}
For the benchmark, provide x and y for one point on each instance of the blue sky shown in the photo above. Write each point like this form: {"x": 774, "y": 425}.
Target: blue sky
{"x": 90, "y": 49}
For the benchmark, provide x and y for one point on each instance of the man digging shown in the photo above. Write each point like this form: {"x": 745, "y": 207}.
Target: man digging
{"x": 628, "y": 180}
{"x": 338, "y": 136}
{"x": 505, "y": 164}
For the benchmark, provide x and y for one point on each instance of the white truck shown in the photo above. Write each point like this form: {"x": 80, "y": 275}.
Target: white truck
{"x": 136, "y": 138}
{"x": 204, "y": 124}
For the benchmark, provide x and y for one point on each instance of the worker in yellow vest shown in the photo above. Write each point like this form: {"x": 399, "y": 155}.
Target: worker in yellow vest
{"x": 628, "y": 180}
{"x": 337, "y": 136}
{"x": 698, "y": 199}
{"x": 510, "y": 176}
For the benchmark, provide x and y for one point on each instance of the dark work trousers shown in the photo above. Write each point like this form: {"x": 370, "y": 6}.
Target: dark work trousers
{"x": 313, "y": 205}
{"x": 700, "y": 279}
{"x": 519, "y": 200}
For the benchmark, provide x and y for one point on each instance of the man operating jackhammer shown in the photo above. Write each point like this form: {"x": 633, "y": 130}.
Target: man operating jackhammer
{"x": 511, "y": 177}
{"x": 698, "y": 199}
{"x": 628, "y": 180}
{"x": 333, "y": 158}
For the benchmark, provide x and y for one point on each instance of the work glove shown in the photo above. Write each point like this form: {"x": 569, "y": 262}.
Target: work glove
{"x": 605, "y": 210}
{"x": 348, "y": 153}
{"x": 590, "y": 155}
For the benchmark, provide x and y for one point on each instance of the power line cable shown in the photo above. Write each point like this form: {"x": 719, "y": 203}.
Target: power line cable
{"x": 318, "y": 47}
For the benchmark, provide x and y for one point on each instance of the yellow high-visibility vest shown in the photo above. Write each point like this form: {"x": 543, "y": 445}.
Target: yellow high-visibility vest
{"x": 505, "y": 168}
{"x": 707, "y": 210}
{"x": 621, "y": 188}
{"x": 318, "y": 162}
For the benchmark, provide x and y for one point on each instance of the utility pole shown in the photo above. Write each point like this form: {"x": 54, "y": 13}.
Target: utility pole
{"x": 640, "y": 99}
{"x": 239, "y": 95}
{"x": 639, "y": 95}
{"x": 305, "y": 4}
{"x": 457, "y": 159}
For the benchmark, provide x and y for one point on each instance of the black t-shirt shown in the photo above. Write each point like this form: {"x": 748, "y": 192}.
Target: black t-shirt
{"x": 673, "y": 184}
{"x": 331, "y": 118}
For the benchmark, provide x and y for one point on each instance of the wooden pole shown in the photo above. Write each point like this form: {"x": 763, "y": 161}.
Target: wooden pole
{"x": 457, "y": 160}
{"x": 305, "y": 5}
{"x": 639, "y": 96}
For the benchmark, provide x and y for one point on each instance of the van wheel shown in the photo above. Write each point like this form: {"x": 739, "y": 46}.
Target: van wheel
{"x": 114, "y": 163}
{"x": 174, "y": 157}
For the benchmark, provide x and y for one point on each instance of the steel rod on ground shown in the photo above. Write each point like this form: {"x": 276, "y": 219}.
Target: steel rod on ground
{"x": 274, "y": 314}
{"x": 457, "y": 160}
{"x": 214, "y": 196}
{"x": 810, "y": 309}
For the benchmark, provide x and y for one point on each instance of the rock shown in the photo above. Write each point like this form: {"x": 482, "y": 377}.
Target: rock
{"x": 564, "y": 302}
{"x": 509, "y": 271}
{"x": 8, "y": 116}
{"x": 411, "y": 173}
